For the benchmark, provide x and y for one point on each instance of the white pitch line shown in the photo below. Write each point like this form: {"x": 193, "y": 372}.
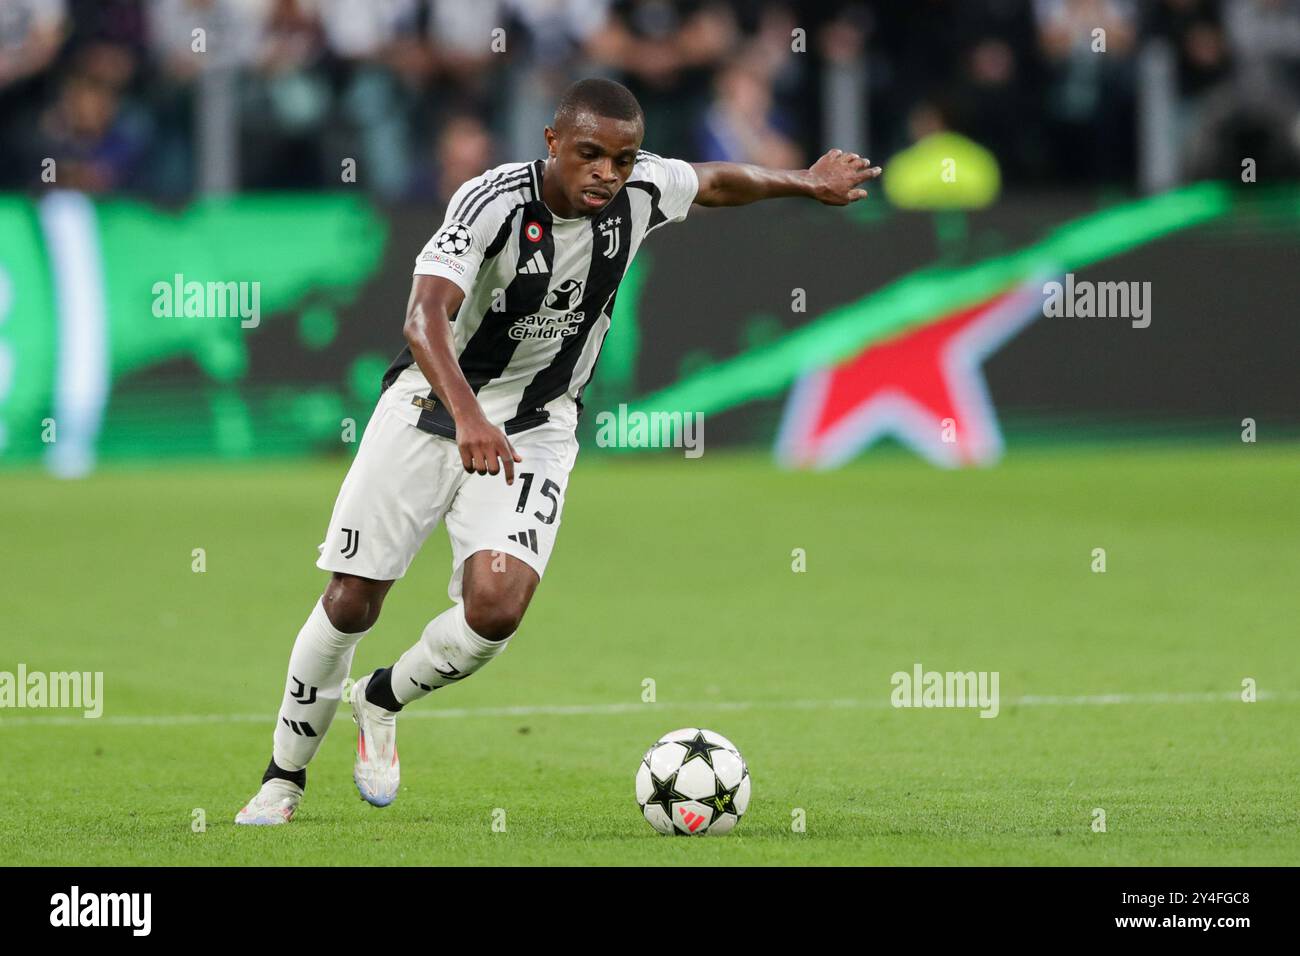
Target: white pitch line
{"x": 1193, "y": 697}
{"x": 592, "y": 710}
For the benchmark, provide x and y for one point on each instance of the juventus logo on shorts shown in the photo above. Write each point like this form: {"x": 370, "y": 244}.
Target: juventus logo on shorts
{"x": 351, "y": 543}
{"x": 527, "y": 538}
{"x": 609, "y": 229}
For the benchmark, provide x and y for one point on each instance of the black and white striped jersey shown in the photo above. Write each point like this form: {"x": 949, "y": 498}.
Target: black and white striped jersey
{"x": 539, "y": 289}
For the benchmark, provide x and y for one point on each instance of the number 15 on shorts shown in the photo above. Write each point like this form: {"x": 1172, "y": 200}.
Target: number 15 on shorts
{"x": 549, "y": 490}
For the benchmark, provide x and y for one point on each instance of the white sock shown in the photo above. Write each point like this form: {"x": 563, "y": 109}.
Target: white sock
{"x": 319, "y": 664}
{"x": 447, "y": 652}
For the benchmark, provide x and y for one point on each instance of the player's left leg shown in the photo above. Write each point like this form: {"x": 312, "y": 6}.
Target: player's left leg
{"x": 457, "y": 643}
{"x": 502, "y": 537}
{"x": 462, "y": 639}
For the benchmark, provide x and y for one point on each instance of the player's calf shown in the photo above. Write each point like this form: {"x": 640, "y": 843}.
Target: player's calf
{"x": 457, "y": 643}
{"x": 463, "y": 638}
{"x": 318, "y": 665}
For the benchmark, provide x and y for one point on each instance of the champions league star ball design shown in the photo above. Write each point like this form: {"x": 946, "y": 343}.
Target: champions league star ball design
{"x": 692, "y": 782}
{"x": 454, "y": 240}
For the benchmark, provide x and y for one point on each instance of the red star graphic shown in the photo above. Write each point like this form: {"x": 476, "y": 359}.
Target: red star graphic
{"x": 924, "y": 387}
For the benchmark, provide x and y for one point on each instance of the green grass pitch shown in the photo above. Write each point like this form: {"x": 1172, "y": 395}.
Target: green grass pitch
{"x": 680, "y": 571}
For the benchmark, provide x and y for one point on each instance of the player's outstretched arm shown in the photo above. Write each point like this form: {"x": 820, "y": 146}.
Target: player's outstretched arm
{"x": 434, "y": 300}
{"x": 836, "y": 180}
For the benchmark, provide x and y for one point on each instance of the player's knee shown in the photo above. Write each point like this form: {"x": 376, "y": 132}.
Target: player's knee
{"x": 495, "y": 599}
{"x": 352, "y": 603}
{"x": 351, "y": 616}
{"x": 493, "y": 617}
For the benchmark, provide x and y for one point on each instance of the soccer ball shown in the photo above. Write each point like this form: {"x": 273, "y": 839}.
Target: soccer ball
{"x": 692, "y": 782}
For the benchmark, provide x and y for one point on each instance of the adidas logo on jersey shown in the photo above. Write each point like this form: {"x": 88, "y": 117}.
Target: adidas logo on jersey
{"x": 535, "y": 265}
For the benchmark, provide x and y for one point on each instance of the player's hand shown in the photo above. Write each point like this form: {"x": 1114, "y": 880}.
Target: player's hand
{"x": 484, "y": 449}
{"x": 837, "y": 177}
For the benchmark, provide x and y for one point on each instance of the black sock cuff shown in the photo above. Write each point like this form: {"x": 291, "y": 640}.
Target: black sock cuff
{"x": 380, "y": 690}
{"x": 276, "y": 772}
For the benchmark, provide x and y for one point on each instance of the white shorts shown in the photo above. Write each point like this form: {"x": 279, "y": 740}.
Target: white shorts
{"x": 403, "y": 481}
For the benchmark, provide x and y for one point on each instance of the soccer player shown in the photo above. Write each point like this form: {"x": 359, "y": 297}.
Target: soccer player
{"x": 475, "y": 423}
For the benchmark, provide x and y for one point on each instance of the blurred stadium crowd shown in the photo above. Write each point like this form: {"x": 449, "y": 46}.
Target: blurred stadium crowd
{"x": 415, "y": 91}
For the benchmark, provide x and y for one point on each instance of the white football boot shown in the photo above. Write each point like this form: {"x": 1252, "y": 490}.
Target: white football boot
{"x": 376, "y": 771}
{"x": 275, "y": 803}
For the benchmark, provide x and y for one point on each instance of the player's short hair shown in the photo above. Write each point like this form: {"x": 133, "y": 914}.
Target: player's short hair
{"x": 599, "y": 97}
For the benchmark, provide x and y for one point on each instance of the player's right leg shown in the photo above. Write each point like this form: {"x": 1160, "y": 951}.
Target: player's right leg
{"x": 397, "y": 489}
{"x": 318, "y": 666}
{"x": 502, "y": 537}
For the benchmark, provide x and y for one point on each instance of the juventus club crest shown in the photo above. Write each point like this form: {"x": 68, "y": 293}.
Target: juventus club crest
{"x": 351, "y": 541}
{"x": 609, "y": 231}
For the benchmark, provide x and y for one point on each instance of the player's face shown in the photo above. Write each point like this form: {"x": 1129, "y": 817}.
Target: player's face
{"x": 593, "y": 156}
